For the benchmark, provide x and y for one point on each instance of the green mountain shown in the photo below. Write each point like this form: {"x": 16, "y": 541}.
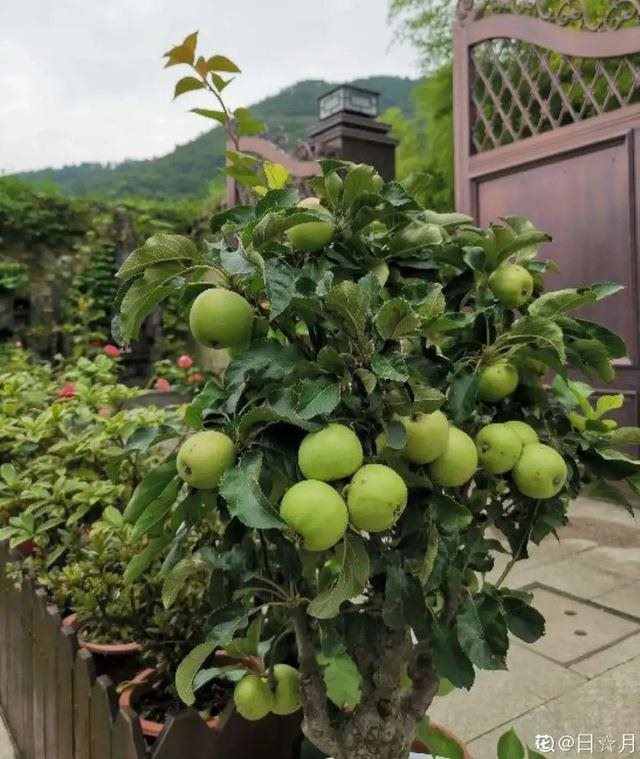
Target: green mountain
{"x": 190, "y": 168}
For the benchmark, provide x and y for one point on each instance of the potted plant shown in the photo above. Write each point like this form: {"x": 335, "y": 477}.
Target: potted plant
{"x": 398, "y": 394}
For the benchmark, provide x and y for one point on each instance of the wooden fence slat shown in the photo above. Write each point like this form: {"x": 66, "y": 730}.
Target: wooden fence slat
{"x": 84, "y": 676}
{"x": 127, "y": 741}
{"x": 51, "y": 625}
{"x": 27, "y": 680}
{"x": 39, "y": 670}
{"x": 4, "y": 616}
{"x": 104, "y": 707}
{"x": 66, "y": 650}
{"x": 187, "y": 729}
{"x": 13, "y": 705}
{"x": 275, "y": 735}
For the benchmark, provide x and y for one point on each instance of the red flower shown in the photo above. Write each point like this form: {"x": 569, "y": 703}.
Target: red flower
{"x": 111, "y": 350}
{"x": 162, "y": 385}
{"x": 195, "y": 378}
{"x": 68, "y": 390}
{"x": 184, "y": 362}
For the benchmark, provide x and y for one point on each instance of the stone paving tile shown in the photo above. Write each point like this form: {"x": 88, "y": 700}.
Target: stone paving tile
{"x": 607, "y": 512}
{"x": 575, "y": 629}
{"x": 500, "y": 696}
{"x": 622, "y": 561}
{"x": 572, "y": 575}
{"x": 626, "y": 599}
{"x": 605, "y": 705}
{"x": 611, "y": 657}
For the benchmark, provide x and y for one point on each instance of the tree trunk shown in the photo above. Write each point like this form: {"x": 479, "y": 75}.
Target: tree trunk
{"x": 376, "y": 735}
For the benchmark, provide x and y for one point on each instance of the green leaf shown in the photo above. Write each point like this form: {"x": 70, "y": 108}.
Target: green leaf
{"x": 188, "y": 669}
{"x": 615, "y": 345}
{"x": 342, "y": 680}
{"x": 222, "y": 63}
{"x": 246, "y": 124}
{"x": 240, "y": 487}
{"x": 391, "y": 367}
{"x": 317, "y": 398}
{"x": 437, "y": 742}
{"x": 219, "y": 116}
{"x": 187, "y": 84}
{"x": 601, "y": 490}
{"x": 156, "y": 511}
{"x": 281, "y": 285}
{"x": 433, "y": 306}
{"x": 207, "y": 399}
{"x": 535, "y": 330}
{"x": 426, "y": 399}
{"x": 8, "y": 474}
{"x": 463, "y": 394}
{"x": 404, "y": 604}
{"x": 149, "y": 489}
{"x": 523, "y": 620}
{"x": 396, "y": 319}
{"x": 276, "y": 174}
{"x": 178, "y": 576}
{"x": 139, "y": 301}
{"x": 448, "y": 513}
{"x": 510, "y": 747}
{"x": 357, "y": 182}
{"x": 624, "y": 436}
{"x": 353, "y": 577}
{"x": 158, "y": 249}
{"x": 138, "y": 565}
{"x": 349, "y": 304}
{"x": 482, "y": 632}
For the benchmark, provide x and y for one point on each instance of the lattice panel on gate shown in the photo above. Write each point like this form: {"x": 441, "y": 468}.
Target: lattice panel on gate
{"x": 583, "y": 15}
{"x": 520, "y": 90}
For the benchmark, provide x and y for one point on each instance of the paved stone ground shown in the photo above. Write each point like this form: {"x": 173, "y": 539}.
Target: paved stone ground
{"x": 583, "y": 676}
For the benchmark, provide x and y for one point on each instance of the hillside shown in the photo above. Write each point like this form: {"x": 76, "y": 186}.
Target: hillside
{"x": 189, "y": 169}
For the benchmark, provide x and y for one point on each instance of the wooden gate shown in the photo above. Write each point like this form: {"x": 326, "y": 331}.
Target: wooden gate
{"x": 547, "y": 125}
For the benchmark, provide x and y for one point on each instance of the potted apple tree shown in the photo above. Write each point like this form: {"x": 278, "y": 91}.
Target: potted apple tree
{"x": 398, "y": 408}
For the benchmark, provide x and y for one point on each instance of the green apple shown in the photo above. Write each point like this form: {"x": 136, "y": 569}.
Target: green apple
{"x": 220, "y": 318}
{"x": 540, "y": 472}
{"x": 427, "y": 436}
{"x": 317, "y": 512}
{"x": 380, "y": 268}
{"x": 458, "y": 463}
{"x": 204, "y": 457}
{"x": 499, "y": 448}
{"x": 311, "y": 236}
{"x": 471, "y": 581}
{"x": 525, "y": 431}
{"x": 286, "y": 697}
{"x": 497, "y": 381}
{"x": 377, "y": 496}
{"x": 330, "y": 454}
{"x": 512, "y": 285}
{"x": 253, "y": 697}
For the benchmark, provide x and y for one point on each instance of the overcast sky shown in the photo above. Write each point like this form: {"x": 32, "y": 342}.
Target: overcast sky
{"x": 82, "y": 80}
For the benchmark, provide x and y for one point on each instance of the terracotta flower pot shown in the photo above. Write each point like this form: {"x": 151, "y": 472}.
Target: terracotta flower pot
{"x": 26, "y": 548}
{"x": 104, "y": 649}
{"x": 139, "y": 684}
{"x": 420, "y": 747}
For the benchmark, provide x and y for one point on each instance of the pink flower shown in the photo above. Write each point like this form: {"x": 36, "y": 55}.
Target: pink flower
{"x": 184, "y": 362}
{"x": 162, "y": 385}
{"x": 18, "y": 344}
{"x": 111, "y": 350}
{"x": 194, "y": 378}
{"x": 104, "y": 411}
{"x": 68, "y": 390}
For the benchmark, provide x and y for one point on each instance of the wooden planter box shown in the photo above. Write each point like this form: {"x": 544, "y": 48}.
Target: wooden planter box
{"x": 58, "y": 708}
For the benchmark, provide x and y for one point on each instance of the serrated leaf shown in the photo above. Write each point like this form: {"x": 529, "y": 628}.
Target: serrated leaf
{"x": 157, "y": 510}
{"x": 482, "y": 632}
{"x": 510, "y": 746}
{"x": 523, "y": 620}
{"x": 139, "y": 302}
{"x": 342, "y": 680}
{"x": 450, "y": 660}
{"x": 396, "y": 319}
{"x": 353, "y": 577}
{"x": 219, "y": 116}
{"x": 463, "y": 394}
{"x": 187, "y": 84}
{"x": 404, "y": 604}
{"x": 396, "y": 435}
{"x": 222, "y": 63}
{"x": 601, "y": 490}
{"x": 281, "y": 285}
{"x": 188, "y": 669}
{"x": 276, "y": 174}
{"x": 433, "y": 306}
{"x": 624, "y": 436}
{"x": 435, "y": 740}
{"x": 448, "y": 513}
{"x": 534, "y": 330}
{"x": 357, "y": 181}
{"x": 391, "y": 367}
{"x": 138, "y": 565}
{"x": 350, "y": 304}
{"x": 158, "y": 249}
{"x": 176, "y": 579}
{"x": 240, "y": 487}
{"x": 149, "y": 489}
{"x": 426, "y": 399}
{"x": 317, "y": 398}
